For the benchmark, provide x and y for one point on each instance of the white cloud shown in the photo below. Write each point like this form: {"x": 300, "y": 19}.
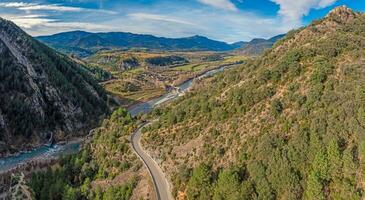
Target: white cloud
{"x": 229, "y": 27}
{"x": 292, "y": 11}
{"x": 156, "y": 17}
{"x": 325, "y": 3}
{"x": 43, "y": 25}
{"x": 28, "y": 21}
{"x": 14, "y": 4}
{"x": 222, "y": 4}
{"x": 34, "y": 6}
{"x": 49, "y": 7}
{"x": 68, "y": 26}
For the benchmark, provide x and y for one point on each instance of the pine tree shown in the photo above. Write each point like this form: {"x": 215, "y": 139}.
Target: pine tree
{"x": 334, "y": 159}
{"x": 199, "y": 185}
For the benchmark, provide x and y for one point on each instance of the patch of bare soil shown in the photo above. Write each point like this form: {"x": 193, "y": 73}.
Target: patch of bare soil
{"x": 144, "y": 189}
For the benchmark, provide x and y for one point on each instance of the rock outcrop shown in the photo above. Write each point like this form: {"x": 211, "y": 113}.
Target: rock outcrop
{"x": 342, "y": 14}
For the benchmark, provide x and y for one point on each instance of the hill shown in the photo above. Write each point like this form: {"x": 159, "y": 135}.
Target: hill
{"x": 287, "y": 125}
{"x": 45, "y": 96}
{"x": 127, "y": 60}
{"x": 106, "y": 167}
{"x": 256, "y": 46}
{"x": 84, "y": 43}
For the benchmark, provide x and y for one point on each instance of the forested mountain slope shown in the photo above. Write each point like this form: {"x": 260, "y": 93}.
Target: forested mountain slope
{"x": 288, "y": 125}
{"x": 44, "y": 95}
{"x": 84, "y": 43}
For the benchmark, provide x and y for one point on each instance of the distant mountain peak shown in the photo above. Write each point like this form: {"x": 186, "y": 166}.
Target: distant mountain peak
{"x": 198, "y": 37}
{"x": 256, "y": 46}
{"x": 342, "y": 14}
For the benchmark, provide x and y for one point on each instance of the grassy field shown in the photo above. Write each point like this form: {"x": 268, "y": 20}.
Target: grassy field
{"x": 191, "y": 67}
{"x": 235, "y": 58}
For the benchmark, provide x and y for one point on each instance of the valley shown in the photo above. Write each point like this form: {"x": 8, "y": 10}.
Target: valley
{"x": 71, "y": 147}
{"x": 127, "y": 116}
{"x": 140, "y": 76}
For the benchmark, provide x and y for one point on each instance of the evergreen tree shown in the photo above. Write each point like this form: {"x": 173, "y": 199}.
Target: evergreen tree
{"x": 199, "y": 185}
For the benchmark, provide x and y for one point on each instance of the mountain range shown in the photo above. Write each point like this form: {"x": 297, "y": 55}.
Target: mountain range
{"x": 84, "y": 44}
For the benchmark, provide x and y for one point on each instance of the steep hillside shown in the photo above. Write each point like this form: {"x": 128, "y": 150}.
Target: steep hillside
{"x": 44, "y": 95}
{"x": 288, "y": 125}
{"x": 106, "y": 168}
{"x": 84, "y": 43}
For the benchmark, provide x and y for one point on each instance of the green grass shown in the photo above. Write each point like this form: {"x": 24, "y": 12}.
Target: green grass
{"x": 192, "y": 67}
{"x": 232, "y": 59}
{"x": 136, "y": 70}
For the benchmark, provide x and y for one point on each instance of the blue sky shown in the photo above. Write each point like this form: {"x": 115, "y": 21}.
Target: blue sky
{"x": 225, "y": 20}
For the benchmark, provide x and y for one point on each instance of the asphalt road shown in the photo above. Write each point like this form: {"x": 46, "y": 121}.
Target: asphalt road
{"x": 160, "y": 182}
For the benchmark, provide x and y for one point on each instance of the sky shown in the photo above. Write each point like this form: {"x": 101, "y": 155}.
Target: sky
{"x": 224, "y": 20}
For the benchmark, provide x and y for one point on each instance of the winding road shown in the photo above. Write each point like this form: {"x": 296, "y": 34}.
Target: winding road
{"x": 162, "y": 187}
{"x": 50, "y": 152}
{"x": 160, "y": 182}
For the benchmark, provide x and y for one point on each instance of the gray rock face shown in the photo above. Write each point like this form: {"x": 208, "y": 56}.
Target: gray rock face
{"x": 14, "y": 49}
{"x": 45, "y": 95}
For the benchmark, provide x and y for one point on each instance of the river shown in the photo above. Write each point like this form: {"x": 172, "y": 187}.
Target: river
{"x": 56, "y": 150}
{"x": 146, "y": 107}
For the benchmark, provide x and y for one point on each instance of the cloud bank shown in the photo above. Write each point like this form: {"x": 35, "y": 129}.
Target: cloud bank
{"x": 292, "y": 11}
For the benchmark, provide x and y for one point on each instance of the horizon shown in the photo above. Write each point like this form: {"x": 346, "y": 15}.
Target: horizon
{"x": 157, "y": 36}
{"x": 228, "y": 21}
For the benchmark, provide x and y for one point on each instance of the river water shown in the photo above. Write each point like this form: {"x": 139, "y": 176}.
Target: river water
{"x": 52, "y": 151}
{"x": 146, "y": 107}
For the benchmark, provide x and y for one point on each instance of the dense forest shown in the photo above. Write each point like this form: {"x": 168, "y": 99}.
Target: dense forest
{"x": 99, "y": 74}
{"x": 166, "y": 61}
{"x": 288, "y": 125}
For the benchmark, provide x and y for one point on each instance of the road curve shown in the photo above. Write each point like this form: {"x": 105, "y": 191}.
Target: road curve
{"x": 161, "y": 184}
